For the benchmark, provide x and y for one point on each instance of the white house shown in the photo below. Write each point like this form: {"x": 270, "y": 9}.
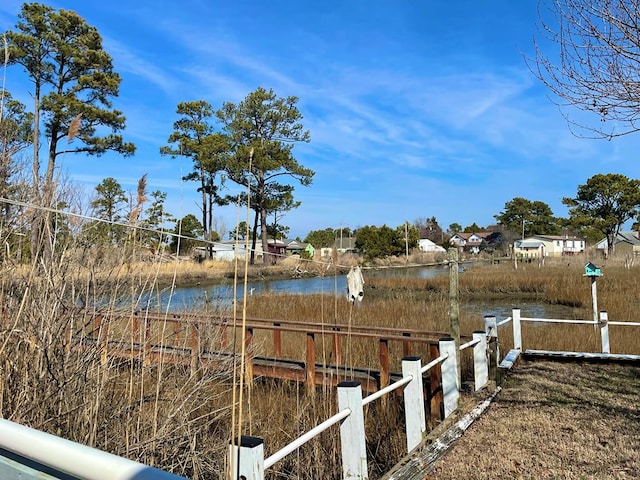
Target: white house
{"x": 225, "y": 250}
{"x": 470, "y": 242}
{"x": 548, "y": 246}
{"x": 426, "y": 245}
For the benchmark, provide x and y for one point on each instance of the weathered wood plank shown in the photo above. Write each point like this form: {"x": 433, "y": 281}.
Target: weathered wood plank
{"x": 418, "y": 464}
{"x": 587, "y": 356}
{"x": 510, "y": 359}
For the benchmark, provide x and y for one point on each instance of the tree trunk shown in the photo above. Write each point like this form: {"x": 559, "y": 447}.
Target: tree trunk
{"x": 254, "y": 239}
{"x": 203, "y": 189}
{"x": 210, "y": 223}
{"x": 266, "y": 257}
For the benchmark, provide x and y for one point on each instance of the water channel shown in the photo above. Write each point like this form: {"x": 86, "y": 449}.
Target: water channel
{"x": 189, "y": 298}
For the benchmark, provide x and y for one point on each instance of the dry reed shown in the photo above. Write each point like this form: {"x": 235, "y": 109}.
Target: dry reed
{"x": 178, "y": 418}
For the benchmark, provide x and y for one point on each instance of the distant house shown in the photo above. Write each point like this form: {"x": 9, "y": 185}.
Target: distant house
{"x": 529, "y": 248}
{"x": 225, "y": 251}
{"x": 625, "y": 243}
{"x": 476, "y": 241}
{"x": 277, "y": 248}
{"x": 427, "y": 246}
{"x": 548, "y": 246}
{"x": 342, "y": 245}
{"x": 295, "y": 247}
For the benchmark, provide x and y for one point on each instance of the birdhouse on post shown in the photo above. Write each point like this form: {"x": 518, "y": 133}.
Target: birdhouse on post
{"x": 591, "y": 270}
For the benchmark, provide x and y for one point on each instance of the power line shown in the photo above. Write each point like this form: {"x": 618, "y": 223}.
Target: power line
{"x": 142, "y": 228}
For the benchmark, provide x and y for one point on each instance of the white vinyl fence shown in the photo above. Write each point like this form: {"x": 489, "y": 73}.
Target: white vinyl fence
{"x": 247, "y": 458}
{"x": 492, "y": 326}
{"x": 26, "y": 453}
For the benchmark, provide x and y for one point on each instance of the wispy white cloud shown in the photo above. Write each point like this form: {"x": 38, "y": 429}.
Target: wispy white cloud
{"x": 126, "y": 59}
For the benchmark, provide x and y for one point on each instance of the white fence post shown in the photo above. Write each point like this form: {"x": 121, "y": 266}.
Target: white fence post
{"x": 352, "y": 437}
{"x": 517, "y": 329}
{"x": 604, "y": 331}
{"x": 449, "y": 368}
{"x": 415, "y": 418}
{"x": 480, "y": 366}
{"x": 247, "y": 460}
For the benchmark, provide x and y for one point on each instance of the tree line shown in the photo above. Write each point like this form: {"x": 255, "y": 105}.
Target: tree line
{"x": 600, "y": 209}
{"x": 249, "y": 143}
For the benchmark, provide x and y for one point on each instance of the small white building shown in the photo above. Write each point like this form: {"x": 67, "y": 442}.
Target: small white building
{"x": 427, "y": 246}
{"x": 226, "y": 250}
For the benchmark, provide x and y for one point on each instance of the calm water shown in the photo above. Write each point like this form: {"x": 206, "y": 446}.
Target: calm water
{"x": 182, "y": 299}
{"x": 192, "y": 297}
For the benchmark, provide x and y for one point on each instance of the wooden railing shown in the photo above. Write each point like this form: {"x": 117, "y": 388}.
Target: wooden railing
{"x": 247, "y": 455}
{"x": 183, "y": 339}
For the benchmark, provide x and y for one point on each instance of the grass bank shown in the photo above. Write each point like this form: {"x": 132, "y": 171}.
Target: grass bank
{"x": 552, "y": 420}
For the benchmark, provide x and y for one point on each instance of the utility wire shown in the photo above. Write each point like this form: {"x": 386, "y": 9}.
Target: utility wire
{"x": 332, "y": 262}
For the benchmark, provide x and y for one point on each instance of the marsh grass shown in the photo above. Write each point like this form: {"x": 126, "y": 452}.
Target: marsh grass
{"x": 181, "y": 420}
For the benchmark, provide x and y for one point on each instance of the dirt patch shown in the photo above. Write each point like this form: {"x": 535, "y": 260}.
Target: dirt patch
{"x": 554, "y": 421}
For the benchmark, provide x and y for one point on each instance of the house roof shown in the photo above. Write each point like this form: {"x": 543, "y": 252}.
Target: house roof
{"x": 276, "y": 243}
{"x": 628, "y": 236}
{"x": 467, "y": 235}
{"x": 529, "y": 244}
{"x": 295, "y": 245}
{"x": 557, "y": 237}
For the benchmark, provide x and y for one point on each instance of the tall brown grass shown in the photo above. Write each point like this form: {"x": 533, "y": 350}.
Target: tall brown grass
{"x": 179, "y": 418}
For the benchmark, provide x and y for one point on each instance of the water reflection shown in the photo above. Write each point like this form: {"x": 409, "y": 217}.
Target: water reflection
{"x": 502, "y": 309}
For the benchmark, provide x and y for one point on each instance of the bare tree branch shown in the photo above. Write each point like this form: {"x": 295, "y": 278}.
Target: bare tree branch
{"x": 597, "y": 65}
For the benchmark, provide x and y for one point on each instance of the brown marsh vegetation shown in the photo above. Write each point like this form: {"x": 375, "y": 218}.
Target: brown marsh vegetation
{"x": 182, "y": 420}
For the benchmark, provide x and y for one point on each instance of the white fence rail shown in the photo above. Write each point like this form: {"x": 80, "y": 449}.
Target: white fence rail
{"x": 28, "y": 452}
{"x": 247, "y": 459}
{"x": 492, "y": 326}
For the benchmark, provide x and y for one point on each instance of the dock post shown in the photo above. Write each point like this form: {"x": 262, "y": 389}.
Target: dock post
{"x": 604, "y": 331}
{"x": 480, "y": 366}
{"x": 310, "y": 374}
{"x": 385, "y": 365}
{"x": 435, "y": 386}
{"x": 491, "y": 329}
{"x": 517, "y": 329}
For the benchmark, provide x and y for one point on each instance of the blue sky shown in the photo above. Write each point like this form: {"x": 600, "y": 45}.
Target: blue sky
{"x": 415, "y": 108}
